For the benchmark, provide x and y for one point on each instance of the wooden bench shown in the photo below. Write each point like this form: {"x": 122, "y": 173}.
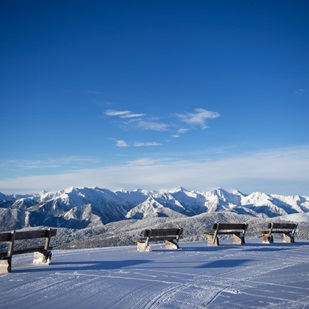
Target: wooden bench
{"x": 42, "y": 254}
{"x": 170, "y": 236}
{"x": 287, "y": 229}
{"x": 236, "y": 229}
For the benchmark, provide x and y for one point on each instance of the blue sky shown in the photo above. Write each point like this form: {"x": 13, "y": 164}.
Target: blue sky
{"x": 155, "y": 95}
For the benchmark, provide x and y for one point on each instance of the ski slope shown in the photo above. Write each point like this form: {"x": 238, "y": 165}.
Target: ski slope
{"x": 254, "y": 275}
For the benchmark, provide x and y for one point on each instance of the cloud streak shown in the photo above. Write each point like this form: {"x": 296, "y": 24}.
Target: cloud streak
{"x": 49, "y": 163}
{"x": 281, "y": 171}
{"x": 199, "y": 117}
{"x": 122, "y": 114}
{"x": 176, "y": 127}
{"x": 146, "y": 144}
{"x": 152, "y": 126}
{"x": 121, "y": 143}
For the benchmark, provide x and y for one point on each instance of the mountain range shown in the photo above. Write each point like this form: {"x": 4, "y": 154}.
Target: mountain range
{"x": 79, "y": 208}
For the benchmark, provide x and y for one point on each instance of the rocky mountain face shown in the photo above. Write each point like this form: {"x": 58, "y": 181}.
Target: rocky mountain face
{"x": 79, "y": 208}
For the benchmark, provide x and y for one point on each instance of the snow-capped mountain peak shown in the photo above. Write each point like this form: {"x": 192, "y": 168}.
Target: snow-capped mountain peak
{"x": 81, "y": 207}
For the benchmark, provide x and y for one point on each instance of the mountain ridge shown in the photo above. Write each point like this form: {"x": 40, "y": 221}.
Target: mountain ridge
{"x": 80, "y": 207}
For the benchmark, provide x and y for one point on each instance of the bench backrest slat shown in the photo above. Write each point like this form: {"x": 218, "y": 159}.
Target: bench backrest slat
{"x": 162, "y": 232}
{"x": 20, "y": 235}
{"x": 34, "y": 234}
{"x": 290, "y": 226}
{"x": 229, "y": 226}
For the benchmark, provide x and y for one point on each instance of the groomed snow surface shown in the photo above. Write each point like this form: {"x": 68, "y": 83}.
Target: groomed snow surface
{"x": 254, "y": 275}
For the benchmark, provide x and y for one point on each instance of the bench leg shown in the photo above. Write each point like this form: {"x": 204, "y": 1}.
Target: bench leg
{"x": 238, "y": 239}
{"x": 5, "y": 266}
{"x": 142, "y": 247}
{"x": 171, "y": 245}
{"x": 266, "y": 239}
{"x": 212, "y": 241}
{"x": 42, "y": 257}
{"x": 287, "y": 237}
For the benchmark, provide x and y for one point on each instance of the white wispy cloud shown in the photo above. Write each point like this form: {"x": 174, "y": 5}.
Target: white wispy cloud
{"x": 182, "y": 130}
{"x": 153, "y": 126}
{"x": 121, "y": 143}
{"x": 146, "y": 144}
{"x": 199, "y": 117}
{"x": 123, "y": 114}
{"x": 49, "y": 163}
{"x": 281, "y": 171}
{"x": 143, "y": 162}
{"x": 134, "y": 121}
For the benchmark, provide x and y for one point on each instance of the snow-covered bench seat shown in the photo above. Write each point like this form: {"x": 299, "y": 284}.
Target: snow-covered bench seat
{"x": 287, "y": 229}
{"x": 42, "y": 254}
{"x": 170, "y": 236}
{"x": 238, "y": 230}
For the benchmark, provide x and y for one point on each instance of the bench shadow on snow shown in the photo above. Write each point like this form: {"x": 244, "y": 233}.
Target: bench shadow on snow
{"x": 279, "y": 246}
{"x": 225, "y": 263}
{"x": 110, "y": 265}
{"x": 81, "y": 266}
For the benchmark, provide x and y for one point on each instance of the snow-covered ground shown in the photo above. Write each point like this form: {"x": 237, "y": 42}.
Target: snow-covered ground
{"x": 254, "y": 275}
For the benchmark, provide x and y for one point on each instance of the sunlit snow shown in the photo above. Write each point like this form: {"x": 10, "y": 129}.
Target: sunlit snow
{"x": 254, "y": 275}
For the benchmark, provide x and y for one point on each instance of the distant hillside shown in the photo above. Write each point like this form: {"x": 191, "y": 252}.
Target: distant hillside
{"x": 94, "y": 217}
{"x": 79, "y": 208}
